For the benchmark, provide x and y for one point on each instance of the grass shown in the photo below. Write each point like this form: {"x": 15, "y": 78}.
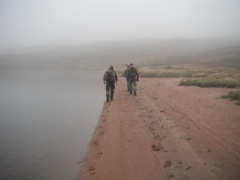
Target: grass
{"x": 193, "y": 75}
{"x": 165, "y": 74}
{"x": 210, "y": 82}
{"x": 234, "y": 95}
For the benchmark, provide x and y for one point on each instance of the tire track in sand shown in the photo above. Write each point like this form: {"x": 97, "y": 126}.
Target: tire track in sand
{"x": 170, "y": 144}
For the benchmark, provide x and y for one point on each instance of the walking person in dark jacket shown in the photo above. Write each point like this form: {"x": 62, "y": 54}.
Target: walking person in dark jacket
{"x": 133, "y": 77}
{"x": 110, "y": 78}
{"x": 126, "y": 73}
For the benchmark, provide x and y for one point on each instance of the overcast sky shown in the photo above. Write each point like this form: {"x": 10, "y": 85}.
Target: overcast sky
{"x": 62, "y": 22}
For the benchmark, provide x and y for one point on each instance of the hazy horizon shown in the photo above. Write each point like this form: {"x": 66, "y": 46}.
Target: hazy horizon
{"x": 32, "y": 23}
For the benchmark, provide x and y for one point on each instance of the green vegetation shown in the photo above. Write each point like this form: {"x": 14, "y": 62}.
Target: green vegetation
{"x": 166, "y": 74}
{"x": 210, "y": 82}
{"x": 214, "y": 77}
{"x": 200, "y": 76}
{"x": 234, "y": 95}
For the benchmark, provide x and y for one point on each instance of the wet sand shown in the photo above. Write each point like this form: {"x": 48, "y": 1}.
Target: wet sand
{"x": 165, "y": 132}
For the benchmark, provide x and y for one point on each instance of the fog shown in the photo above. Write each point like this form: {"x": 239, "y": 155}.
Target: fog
{"x": 28, "y": 23}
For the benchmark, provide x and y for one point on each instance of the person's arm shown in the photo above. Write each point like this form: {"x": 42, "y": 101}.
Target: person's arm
{"x": 127, "y": 73}
{"x": 104, "y": 78}
{"x": 137, "y": 75}
{"x": 116, "y": 77}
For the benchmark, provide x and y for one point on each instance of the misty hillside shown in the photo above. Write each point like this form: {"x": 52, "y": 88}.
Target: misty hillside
{"x": 101, "y": 55}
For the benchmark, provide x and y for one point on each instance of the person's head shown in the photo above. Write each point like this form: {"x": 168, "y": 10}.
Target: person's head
{"x": 111, "y": 67}
{"x": 131, "y": 64}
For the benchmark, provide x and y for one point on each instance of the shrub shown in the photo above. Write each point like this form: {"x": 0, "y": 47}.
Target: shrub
{"x": 234, "y": 95}
{"x": 210, "y": 82}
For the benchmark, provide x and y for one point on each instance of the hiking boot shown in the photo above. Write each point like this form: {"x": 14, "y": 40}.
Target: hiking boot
{"x": 135, "y": 93}
{"x": 131, "y": 92}
{"x": 107, "y": 99}
{"x": 111, "y": 97}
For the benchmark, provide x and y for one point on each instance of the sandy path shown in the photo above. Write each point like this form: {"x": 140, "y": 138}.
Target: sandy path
{"x": 165, "y": 132}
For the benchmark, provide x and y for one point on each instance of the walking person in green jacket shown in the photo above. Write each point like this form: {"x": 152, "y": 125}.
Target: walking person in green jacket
{"x": 110, "y": 78}
{"x": 133, "y": 77}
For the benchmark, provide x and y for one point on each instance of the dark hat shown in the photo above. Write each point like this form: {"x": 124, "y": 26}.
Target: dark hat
{"x": 131, "y": 64}
{"x": 111, "y": 67}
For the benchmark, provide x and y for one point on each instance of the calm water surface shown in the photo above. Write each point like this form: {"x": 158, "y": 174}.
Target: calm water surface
{"x": 46, "y": 121}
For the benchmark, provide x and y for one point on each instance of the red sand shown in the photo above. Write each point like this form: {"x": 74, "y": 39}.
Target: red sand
{"x": 165, "y": 132}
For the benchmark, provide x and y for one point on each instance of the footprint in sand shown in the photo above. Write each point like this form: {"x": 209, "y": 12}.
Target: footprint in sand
{"x": 188, "y": 168}
{"x": 99, "y": 154}
{"x": 162, "y": 138}
{"x": 153, "y": 122}
{"x": 92, "y": 170}
{"x": 96, "y": 143}
{"x": 150, "y": 116}
{"x": 179, "y": 164}
{"x": 171, "y": 176}
{"x": 141, "y": 115}
{"x": 157, "y": 137}
{"x": 150, "y": 111}
{"x": 168, "y": 164}
{"x": 158, "y": 147}
{"x": 151, "y": 129}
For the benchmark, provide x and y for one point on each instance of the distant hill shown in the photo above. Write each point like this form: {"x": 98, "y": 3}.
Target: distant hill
{"x": 101, "y": 55}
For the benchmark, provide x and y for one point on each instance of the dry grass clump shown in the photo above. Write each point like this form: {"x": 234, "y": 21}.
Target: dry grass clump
{"x": 210, "y": 82}
{"x": 234, "y": 95}
{"x": 214, "y": 77}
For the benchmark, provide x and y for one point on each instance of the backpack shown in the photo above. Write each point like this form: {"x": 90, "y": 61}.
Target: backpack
{"x": 110, "y": 76}
{"x": 132, "y": 73}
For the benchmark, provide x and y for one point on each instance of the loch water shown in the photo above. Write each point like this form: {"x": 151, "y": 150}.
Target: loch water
{"x": 46, "y": 122}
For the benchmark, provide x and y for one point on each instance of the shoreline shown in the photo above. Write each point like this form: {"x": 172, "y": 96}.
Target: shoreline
{"x": 165, "y": 132}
